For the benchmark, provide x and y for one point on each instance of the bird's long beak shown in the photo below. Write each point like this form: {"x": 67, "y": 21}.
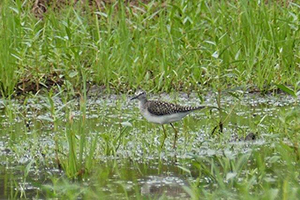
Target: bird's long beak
{"x": 134, "y": 98}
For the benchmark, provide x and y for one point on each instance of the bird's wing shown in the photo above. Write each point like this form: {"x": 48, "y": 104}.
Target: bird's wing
{"x": 164, "y": 108}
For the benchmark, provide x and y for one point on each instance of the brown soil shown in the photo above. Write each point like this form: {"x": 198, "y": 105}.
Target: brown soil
{"x": 40, "y": 7}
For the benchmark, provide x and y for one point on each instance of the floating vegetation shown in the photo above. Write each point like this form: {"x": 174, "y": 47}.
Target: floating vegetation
{"x": 68, "y": 68}
{"x": 107, "y": 149}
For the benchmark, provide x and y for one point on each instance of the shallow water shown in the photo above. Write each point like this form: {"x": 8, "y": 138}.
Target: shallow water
{"x": 137, "y": 168}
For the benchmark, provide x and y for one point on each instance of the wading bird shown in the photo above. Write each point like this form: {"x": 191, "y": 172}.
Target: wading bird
{"x": 161, "y": 112}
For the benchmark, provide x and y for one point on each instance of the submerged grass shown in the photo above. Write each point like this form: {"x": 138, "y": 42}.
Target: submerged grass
{"x": 265, "y": 173}
{"x": 181, "y": 45}
{"x": 224, "y": 46}
{"x": 105, "y": 150}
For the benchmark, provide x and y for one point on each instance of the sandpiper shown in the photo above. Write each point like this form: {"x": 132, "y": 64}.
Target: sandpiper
{"x": 161, "y": 112}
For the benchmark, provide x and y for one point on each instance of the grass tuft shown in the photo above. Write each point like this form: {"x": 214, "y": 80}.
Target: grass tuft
{"x": 169, "y": 46}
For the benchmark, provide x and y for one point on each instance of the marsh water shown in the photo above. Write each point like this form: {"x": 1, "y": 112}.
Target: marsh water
{"x": 128, "y": 162}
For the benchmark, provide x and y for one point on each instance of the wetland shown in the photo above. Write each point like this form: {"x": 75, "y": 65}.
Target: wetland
{"x": 69, "y": 68}
{"x": 51, "y": 148}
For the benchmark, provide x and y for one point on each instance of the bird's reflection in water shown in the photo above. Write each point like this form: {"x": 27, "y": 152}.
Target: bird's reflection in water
{"x": 170, "y": 187}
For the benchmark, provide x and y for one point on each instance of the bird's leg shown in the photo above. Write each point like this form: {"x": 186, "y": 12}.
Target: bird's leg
{"x": 176, "y": 135}
{"x": 164, "y": 138}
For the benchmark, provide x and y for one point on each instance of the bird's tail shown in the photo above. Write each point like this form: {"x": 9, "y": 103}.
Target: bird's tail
{"x": 202, "y": 107}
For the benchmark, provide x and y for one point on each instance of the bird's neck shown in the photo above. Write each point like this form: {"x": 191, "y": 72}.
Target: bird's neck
{"x": 142, "y": 103}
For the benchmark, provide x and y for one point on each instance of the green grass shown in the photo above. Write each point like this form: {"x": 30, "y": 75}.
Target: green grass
{"x": 183, "y": 45}
{"x": 223, "y": 46}
{"x": 83, "y": 149}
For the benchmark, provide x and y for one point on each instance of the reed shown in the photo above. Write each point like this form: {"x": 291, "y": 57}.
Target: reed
{"x": 181, "y": 45}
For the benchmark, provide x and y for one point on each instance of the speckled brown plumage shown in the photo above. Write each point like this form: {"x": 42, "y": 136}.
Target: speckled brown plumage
{"x": 163, "y": 108}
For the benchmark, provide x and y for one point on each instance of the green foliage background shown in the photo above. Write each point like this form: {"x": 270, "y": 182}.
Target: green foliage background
{"x": 162, "y": 46}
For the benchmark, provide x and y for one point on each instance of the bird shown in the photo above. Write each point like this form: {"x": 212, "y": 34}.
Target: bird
{"x": 161, "y": 112}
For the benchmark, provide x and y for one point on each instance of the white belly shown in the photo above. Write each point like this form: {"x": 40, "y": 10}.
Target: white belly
{"x": 163, "y": 119}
